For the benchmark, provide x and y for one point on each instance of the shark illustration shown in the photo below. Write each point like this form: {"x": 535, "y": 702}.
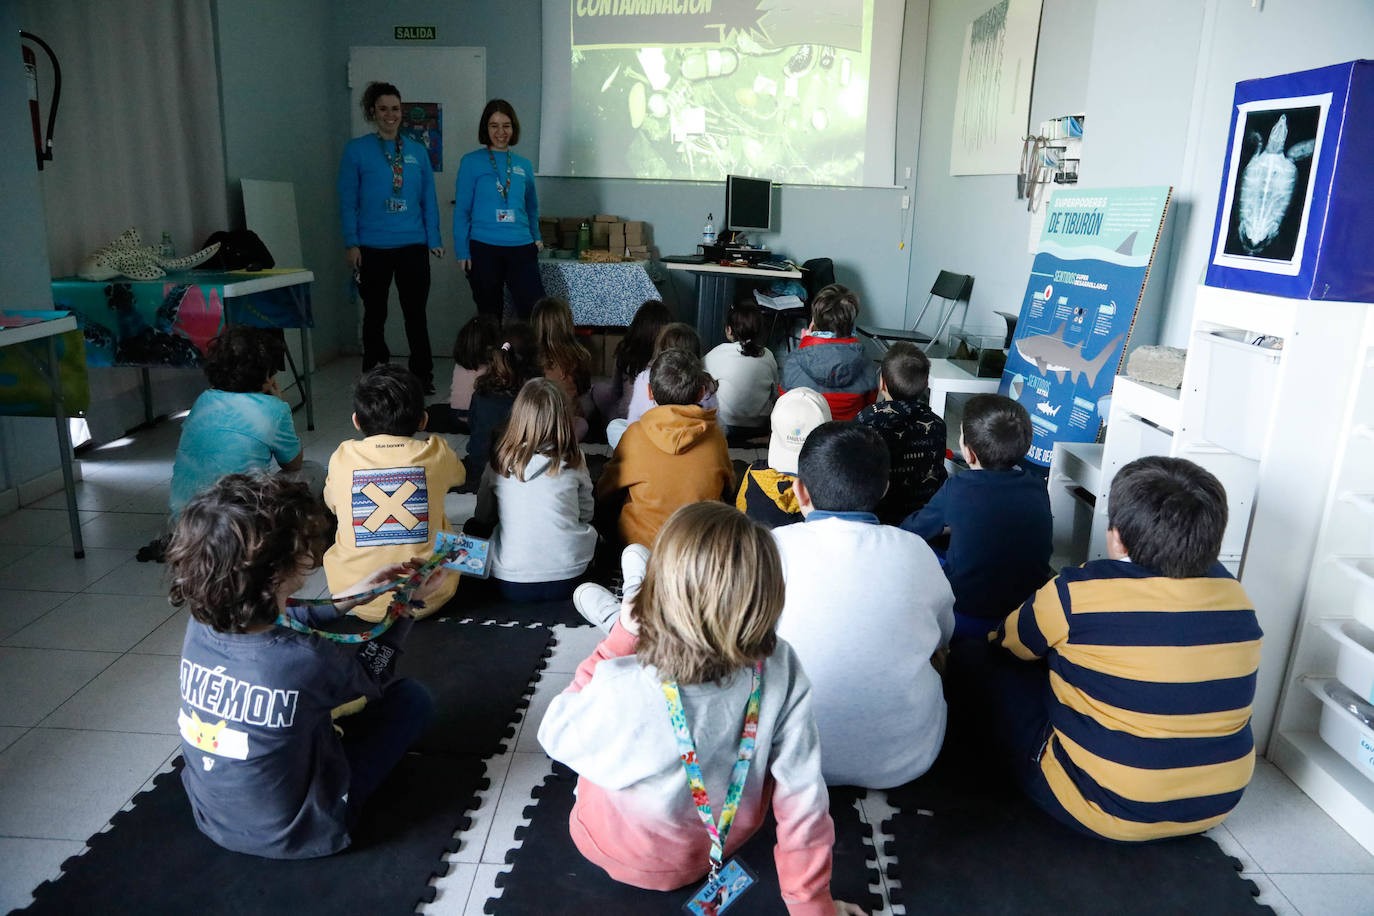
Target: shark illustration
{"x": 1045, "y": 408}
{"x": 1050, "y": 353}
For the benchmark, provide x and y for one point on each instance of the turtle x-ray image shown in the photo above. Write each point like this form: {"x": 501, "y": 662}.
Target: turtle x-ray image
{"x": 1269, "y": 182}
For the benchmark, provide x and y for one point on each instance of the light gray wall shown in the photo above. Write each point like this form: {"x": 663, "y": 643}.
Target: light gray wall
{"x": 974, "y": 224}
{"x": 278, "y": 68}
{"x": 28, "y": 447}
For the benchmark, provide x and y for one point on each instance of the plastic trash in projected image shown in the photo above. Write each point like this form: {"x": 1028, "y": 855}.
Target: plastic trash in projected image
{"x": 724, "y": 86}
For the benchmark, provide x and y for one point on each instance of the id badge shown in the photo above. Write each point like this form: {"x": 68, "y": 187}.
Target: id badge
{"x": 472, "y": 556}
{"x": 505, "y": 216}
{"x": 396, "y": 205}
{"x": 718, "y": 894}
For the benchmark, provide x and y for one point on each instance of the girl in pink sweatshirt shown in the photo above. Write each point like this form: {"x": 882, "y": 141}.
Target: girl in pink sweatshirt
{"x": 694, "y": 651}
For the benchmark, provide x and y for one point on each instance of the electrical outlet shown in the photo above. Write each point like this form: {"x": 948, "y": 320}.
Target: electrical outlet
{"x": 906, "y": 201}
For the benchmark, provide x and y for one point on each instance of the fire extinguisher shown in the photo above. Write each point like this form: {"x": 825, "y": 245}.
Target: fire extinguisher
{"x": 42, "y": 146}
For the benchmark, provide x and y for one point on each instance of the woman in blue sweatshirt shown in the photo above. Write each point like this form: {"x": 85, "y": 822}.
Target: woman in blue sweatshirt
{"x": 390, "y": 217}
{"x": 496, "y": 216}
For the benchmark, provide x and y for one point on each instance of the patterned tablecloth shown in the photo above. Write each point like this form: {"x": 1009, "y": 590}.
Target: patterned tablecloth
{"x": 601, "y": 295}
{"x": 169, "y": 322}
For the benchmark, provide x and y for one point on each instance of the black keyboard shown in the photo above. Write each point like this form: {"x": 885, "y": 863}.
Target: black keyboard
{"x": 774, "y": 265}
{"x": 683, "y": 259}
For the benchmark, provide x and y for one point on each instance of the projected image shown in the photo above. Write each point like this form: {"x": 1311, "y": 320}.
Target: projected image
{"x": 697, "y": 89}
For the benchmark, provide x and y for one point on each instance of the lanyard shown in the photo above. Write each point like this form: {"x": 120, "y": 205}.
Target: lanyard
{"x": 396, "y": 164}
{"x": 696, "y": 783}
{"x": 503, "y": 190}
{"x": 403, "y": 587}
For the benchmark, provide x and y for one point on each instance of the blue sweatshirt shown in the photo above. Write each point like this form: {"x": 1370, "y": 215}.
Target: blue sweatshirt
{"x": 477, "y": 202}
{"x": 365, "y": 188}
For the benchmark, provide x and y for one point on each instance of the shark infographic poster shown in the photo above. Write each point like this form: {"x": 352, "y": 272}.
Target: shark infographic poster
{"x": 1080, "y": 305}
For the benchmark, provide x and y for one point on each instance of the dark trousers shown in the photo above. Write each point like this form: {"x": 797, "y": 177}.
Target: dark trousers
{"x": 410, "y": 267}
{"x": 521, "y": 592}
{"x": 494, "y": 267}
{"x": 376, "y": 738}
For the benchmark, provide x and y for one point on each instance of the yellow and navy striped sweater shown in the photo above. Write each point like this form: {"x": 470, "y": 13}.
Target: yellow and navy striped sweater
{"x": 1152, "y": 681}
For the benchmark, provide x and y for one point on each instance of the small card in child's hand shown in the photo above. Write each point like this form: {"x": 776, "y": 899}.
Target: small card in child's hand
{"x": 471, "y": 555}
{"x": 720, "y": 893}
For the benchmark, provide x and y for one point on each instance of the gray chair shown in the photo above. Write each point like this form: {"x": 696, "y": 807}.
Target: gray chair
{"x": 951, "y": 289}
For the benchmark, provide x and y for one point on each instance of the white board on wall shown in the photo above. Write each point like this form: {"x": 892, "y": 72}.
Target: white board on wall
{"x": 269, "y": 209}
{"x": 992, "y": 109}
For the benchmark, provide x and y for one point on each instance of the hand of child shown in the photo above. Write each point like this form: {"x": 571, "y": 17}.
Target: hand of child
{"x": 271, "y": 387}
{"x": 381, "y": 576}
{"x": 848, "y": 909}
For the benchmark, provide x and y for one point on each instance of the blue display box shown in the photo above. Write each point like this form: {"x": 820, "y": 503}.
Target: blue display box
{"x": 1296, "y": 213}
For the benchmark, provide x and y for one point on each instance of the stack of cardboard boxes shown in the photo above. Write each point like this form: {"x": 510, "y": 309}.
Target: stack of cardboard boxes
{"x": 620, "y": 239}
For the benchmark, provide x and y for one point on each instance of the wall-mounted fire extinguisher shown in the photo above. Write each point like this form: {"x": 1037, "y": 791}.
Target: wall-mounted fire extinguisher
{"x": 42, "y": 146}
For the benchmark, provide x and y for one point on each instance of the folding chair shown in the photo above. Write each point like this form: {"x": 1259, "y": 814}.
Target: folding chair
{"x": 951, "y": 289}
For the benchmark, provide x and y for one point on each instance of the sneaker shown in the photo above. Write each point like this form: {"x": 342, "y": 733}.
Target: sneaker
{"x": 596, "y": 604}
{"x": 634, "y": 562}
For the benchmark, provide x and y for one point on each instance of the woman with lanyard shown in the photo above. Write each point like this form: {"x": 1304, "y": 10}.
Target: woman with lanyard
{"x": 496, "y": 217}
{"x": 390, "y": 227}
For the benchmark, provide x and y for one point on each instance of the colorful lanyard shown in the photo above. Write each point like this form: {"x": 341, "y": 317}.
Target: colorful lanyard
{"x": 696, "y": 783}
{"x": 404, "y": 587}
{"x": 396, "y": 164}
{"x": 503, "y": 190}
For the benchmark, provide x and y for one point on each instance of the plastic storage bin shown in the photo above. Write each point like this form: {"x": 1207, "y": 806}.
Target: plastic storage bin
{"x": 1355, "y": 659}
{"x": 1341, "y": 730}
{"x": 1241, "y": 380}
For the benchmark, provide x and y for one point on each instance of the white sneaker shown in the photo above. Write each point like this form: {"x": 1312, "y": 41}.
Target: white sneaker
{"x": 634, "y": 562}
{"x": 597, "y": 605}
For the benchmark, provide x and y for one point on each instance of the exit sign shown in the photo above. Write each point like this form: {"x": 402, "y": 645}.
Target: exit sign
{"x": 414, "y": 33}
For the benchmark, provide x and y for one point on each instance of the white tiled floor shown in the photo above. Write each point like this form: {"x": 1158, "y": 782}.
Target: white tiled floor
{"x": 87, "y": 675}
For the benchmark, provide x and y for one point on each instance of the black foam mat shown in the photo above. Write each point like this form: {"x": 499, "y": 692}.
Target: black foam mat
{"x": 154, "y": 860}
{"x": 965, "y": 841}
{"x": 549, "y": 875}
{"x": 479, "y": 674}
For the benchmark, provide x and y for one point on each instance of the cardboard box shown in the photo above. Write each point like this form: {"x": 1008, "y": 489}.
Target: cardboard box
{"x": 1294, "y": 217}
{"x": 634, "y": 234}
{"x": 601, "y": 234}
{"x": 569, "y": 222}
{"x": 567, "y": 238}
{"x": 605, "y": 218}
{"x": 617, "y": 237}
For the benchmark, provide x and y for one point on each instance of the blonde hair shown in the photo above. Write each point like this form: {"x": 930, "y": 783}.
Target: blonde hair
{"x": 711, "y": 597}
{"x": 541, "y": 423}
{"x": 553, "y": 331}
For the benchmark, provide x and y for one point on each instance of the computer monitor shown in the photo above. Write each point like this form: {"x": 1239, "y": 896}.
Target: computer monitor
{"x": 748, "y": 203}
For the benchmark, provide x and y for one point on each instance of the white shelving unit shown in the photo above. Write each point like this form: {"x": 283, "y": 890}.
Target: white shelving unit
{"x": 1339, "y": 602}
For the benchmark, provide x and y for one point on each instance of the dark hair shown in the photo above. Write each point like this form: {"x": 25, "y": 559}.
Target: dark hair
{"x": 492, "y": 108}
{"x": 372, "y": 93}
{"x": 677, "y": 377}
{"x": 1170, "y": 514}
{"x": 844, "y": 466}
{"x": 997, "y": 429}
{"x": 389, "y": 401}
{"x": 906, "y": 370}
{"x": 745, "y": 322}
{"x": 514, "y": 361}
{"x": 636, "y": 348}
{"x": 834, "y": 309}
{"x": 472, "y": 348}
{"x": 678, "y": 336}
{"x": 241, "y": 358}
{"x": 235, "y": 544}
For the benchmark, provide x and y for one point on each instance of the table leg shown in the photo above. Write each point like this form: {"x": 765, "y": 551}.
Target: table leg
{"x": 64, "y": 447}
{"x": 306, "y": 389}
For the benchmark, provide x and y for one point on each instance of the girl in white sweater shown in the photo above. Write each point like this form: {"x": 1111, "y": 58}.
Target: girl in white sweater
{"x": 538, "y": 494}
{"x": 745, "y": 370}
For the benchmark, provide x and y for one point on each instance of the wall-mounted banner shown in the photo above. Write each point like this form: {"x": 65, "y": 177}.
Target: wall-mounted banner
{"x": 415, "y": 33}
{"x": 1079, "y": 309}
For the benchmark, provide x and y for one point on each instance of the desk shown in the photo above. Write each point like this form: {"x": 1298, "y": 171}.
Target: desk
{"x": 16, "y": 329}
{"x": 602, "y": 294}
{"x": 170, "y": 321}
{"x": 713, "y": 294}
{"x": 946, "y": 378}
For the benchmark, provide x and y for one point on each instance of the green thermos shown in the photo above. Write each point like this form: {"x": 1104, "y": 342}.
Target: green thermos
{"x": 584, "y": 237}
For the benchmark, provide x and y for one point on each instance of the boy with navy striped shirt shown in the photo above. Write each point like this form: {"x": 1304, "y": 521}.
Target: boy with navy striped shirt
{"x": 1127, "y": 715}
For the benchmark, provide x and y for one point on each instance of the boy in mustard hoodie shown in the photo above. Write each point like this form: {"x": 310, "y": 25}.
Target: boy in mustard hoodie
{"x": 674, "y": 455}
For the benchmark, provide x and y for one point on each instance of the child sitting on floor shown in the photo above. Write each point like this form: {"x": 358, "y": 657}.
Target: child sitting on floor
{"x": 866, "y": 609}
{"x": 387, "y": 490}
{"x": 673, "y": 456}
{"x": 471, "y": 356}
{"x": 700, "y": 633}
{"x": 538, "y": 494}
{"x": 514, "y": 361}
{"x": 767, "y": 494}
{"x": 997, "y": 516}
{"x": 564, "y": 360}
{"x": 744, "y": 370}
{"x": 274, "y": 778}
{"x": 915, "y": 436}
{"x": 830, "y": 359}
{"x": 675, "y": 336}
{"x": 1137, "y": 726}
{"x": 632, "y": 356}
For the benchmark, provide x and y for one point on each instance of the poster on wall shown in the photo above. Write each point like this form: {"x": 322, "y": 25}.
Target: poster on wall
{"x": 992, "y": 109}
{"x": 1079, "y": 308}
{"x": 423, "y": 122}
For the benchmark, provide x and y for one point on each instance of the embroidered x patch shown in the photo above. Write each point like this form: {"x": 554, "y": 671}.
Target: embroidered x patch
{"x": 390, "y": 506}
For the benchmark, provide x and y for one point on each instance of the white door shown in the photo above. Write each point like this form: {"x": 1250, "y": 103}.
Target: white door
{"x": 455, "y": 79}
